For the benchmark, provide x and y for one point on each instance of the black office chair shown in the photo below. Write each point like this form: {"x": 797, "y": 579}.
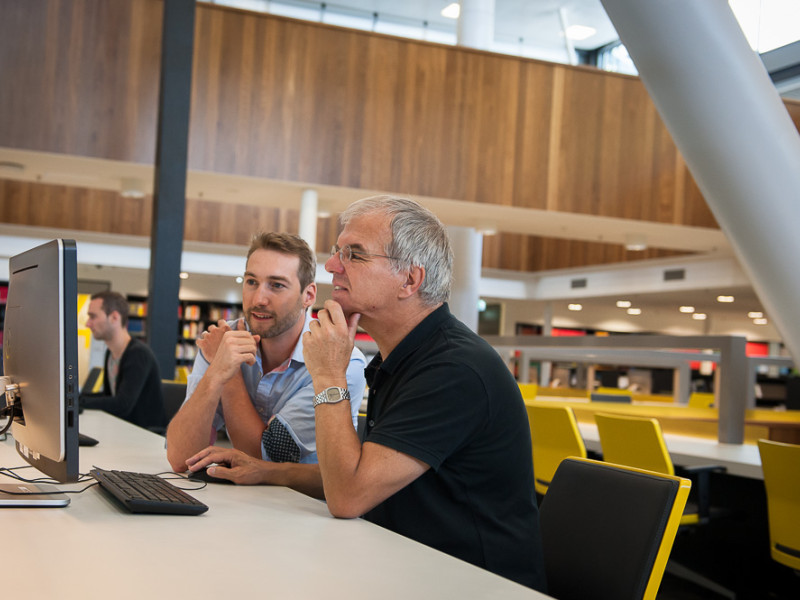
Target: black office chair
{"x": 174, "y": 392}
{"x": 607, "y": 530}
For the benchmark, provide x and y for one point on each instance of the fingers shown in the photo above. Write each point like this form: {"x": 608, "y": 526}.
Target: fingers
{"x": 211, "y": 454}
{"x": 240, "y": 325}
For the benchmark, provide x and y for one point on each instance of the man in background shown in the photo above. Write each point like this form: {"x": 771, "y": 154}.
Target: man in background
{"x": 131, "y": 379}
{"x": 250, "y": 375}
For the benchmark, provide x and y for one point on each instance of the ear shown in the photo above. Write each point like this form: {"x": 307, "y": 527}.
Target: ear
{"x": 309, "y": 295}
{"x": 414, "y": 278}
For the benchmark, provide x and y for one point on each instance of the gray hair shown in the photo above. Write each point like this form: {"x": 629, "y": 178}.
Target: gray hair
{"x": 418, "y": 239}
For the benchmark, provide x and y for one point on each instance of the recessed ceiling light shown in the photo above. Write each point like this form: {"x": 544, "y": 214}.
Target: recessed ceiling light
{"x": 184, "y": 275}
{"x": 755, "y": 314}
{"x": 575, "y": 306}
{"x": 451, "y": 11}
{"x": 623, "y": 303}
{"x": 724, "y": 298}
{"x": 634, "y": 311}
{"x": 699, "y": 316}
{"x": 759, "y": 321}
{"x": 239, "y": 279}
{"x": 579, "y": 32}
{"x": 686, "y": 309}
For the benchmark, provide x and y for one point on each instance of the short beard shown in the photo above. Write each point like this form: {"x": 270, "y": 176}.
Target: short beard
{"x": 279, "y": 325}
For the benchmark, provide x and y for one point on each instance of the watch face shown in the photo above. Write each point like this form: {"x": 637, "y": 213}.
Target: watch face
{"x": 333, "y": 394}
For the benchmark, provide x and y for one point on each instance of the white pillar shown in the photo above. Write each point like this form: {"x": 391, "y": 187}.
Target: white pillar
{"x": 476, "y": 24}
{"x": 546, "y": 367}
{"x": 467, "y": 247}
{"x": 308, "y": 218}
{"x": 717, "y": 100}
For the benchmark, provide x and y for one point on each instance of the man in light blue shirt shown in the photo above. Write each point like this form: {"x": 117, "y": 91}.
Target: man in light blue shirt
{"x": 250, "y": 375}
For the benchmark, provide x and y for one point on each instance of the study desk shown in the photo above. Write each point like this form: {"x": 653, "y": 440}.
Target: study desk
{"x": 738, "y": 459}
{"x": 253, "y": 542}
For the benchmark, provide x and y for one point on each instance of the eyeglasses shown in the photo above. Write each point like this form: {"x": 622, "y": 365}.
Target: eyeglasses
{"x": 347, "y": 254}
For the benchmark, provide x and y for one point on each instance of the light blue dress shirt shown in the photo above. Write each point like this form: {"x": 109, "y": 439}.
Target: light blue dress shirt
{"x": 287, "y": 392}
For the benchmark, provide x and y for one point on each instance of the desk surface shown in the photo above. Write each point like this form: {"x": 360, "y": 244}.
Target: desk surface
{"x": 739, "y": 459}
{"x": 257, "y": 541}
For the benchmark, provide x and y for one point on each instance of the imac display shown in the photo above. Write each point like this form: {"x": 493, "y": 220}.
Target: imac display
{"x": 40, "y": 355}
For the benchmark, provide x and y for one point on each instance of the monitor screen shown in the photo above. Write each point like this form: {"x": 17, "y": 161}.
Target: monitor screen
{"x": 40, "y": 352}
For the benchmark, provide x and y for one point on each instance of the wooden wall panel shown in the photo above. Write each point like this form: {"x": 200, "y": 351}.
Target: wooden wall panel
{"x": 80, "y": 77}
{"x": 306, "y": 102}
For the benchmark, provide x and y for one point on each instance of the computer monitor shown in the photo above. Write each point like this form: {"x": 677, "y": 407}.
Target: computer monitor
{"x": 40, "y": 351}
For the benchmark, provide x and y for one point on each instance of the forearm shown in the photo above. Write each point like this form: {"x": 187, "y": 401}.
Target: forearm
{"x": 339, "y": 454}
{"x": 242, "y": 421}
{"x": 304, "y": 478}
{"x": 191, "y": 427}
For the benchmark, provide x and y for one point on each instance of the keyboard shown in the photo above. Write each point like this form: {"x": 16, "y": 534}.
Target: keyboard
{"x": 144, "y": 493}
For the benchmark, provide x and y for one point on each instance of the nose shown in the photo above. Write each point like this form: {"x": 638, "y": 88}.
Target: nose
{"x": 263, "y": 294}
{"x": 334, "y": 264}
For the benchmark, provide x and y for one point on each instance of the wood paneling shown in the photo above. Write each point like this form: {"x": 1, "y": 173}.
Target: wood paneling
{"x": 301, "y": 101}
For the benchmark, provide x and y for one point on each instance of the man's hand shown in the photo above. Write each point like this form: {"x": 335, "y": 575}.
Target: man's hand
{"x": 328, "y": 344}
{"x": 230, "y": 349}
{"x": 233, "y": 465}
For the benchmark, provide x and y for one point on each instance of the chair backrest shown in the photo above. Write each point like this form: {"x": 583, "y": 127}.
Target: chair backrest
{"x": 633, "y": 441}
{"x": 607, "y": 530}
{"x": 701, "y": 400}
{"x": 528, "y": 390}
{"x": 93, "y": 382}
{"x": 554, "y": 437}
{"x": 174, "y": 395}
{"x": 781, "y": 466}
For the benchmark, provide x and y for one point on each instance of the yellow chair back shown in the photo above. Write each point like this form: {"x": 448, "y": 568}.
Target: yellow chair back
{"x": 781, "y": 466}
{"x": 554, "y": 437}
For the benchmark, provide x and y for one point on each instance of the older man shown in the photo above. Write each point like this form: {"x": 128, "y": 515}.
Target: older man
{"x": 445, "y": 457}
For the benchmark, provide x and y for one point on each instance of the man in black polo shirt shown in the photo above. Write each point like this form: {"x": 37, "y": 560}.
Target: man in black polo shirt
{"x": 445, "y": 457}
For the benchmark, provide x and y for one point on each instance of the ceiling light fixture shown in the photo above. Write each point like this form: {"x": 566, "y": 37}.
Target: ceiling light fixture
{"x": 726, "y": 299}
{"x": 634, "y": 311}
{"x": 635, "y": 242}
{"x": 686, "y": 309}
{"x": 131, "y": 187}
{"x": 580, "y": 32}
{"x": 239, "y": 279}
{"x": 699, "y": 316}
{"x": 184, "y": 275}
{"x": 623, "y": 303}
{"x": 755, "y": 314}
{"x": 451, "y": 11}
{"x": 759, "y": 321}
{"x": 575, "y": 306}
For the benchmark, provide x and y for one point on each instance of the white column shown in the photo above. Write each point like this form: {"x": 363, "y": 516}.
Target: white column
{"x": 467, "y": 247}
{"x": 308, "y": 217}
{"x": 476, "y": 24}
{"x": 716, "y": 98}
{"x": 546, "y": 367}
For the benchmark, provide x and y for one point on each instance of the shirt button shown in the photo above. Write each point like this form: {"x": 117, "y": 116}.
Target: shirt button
{"x": 371, "y": 423}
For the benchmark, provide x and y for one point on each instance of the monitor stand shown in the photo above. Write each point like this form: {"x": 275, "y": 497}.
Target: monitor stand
{"x": 31, "y": 495}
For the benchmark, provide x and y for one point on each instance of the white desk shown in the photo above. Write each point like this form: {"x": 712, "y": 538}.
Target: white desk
{"x": 254, "y": 542}
{"x": 739, "y": 459}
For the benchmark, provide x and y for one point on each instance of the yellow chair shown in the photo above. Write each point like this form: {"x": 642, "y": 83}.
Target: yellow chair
{"x": 701, "y": 400}
{"x": 608, "y": 530}
{"x": 528, "y": 390}
{"x": 554, "y": 437}
{"x": 639, "y": 442}
{"x": 781, "y": 465}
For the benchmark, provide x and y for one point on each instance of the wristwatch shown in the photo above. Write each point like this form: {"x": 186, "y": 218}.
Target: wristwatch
{"x": 332, "y": 395}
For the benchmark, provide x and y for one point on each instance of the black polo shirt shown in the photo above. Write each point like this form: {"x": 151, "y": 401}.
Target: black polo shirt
{"x": 445, "y": 397}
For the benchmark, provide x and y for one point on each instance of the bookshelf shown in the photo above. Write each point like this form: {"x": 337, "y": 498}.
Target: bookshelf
{"x": 194, "y": 317}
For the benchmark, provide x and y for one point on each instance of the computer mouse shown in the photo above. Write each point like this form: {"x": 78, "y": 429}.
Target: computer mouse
{"x": 202, "y": 475}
